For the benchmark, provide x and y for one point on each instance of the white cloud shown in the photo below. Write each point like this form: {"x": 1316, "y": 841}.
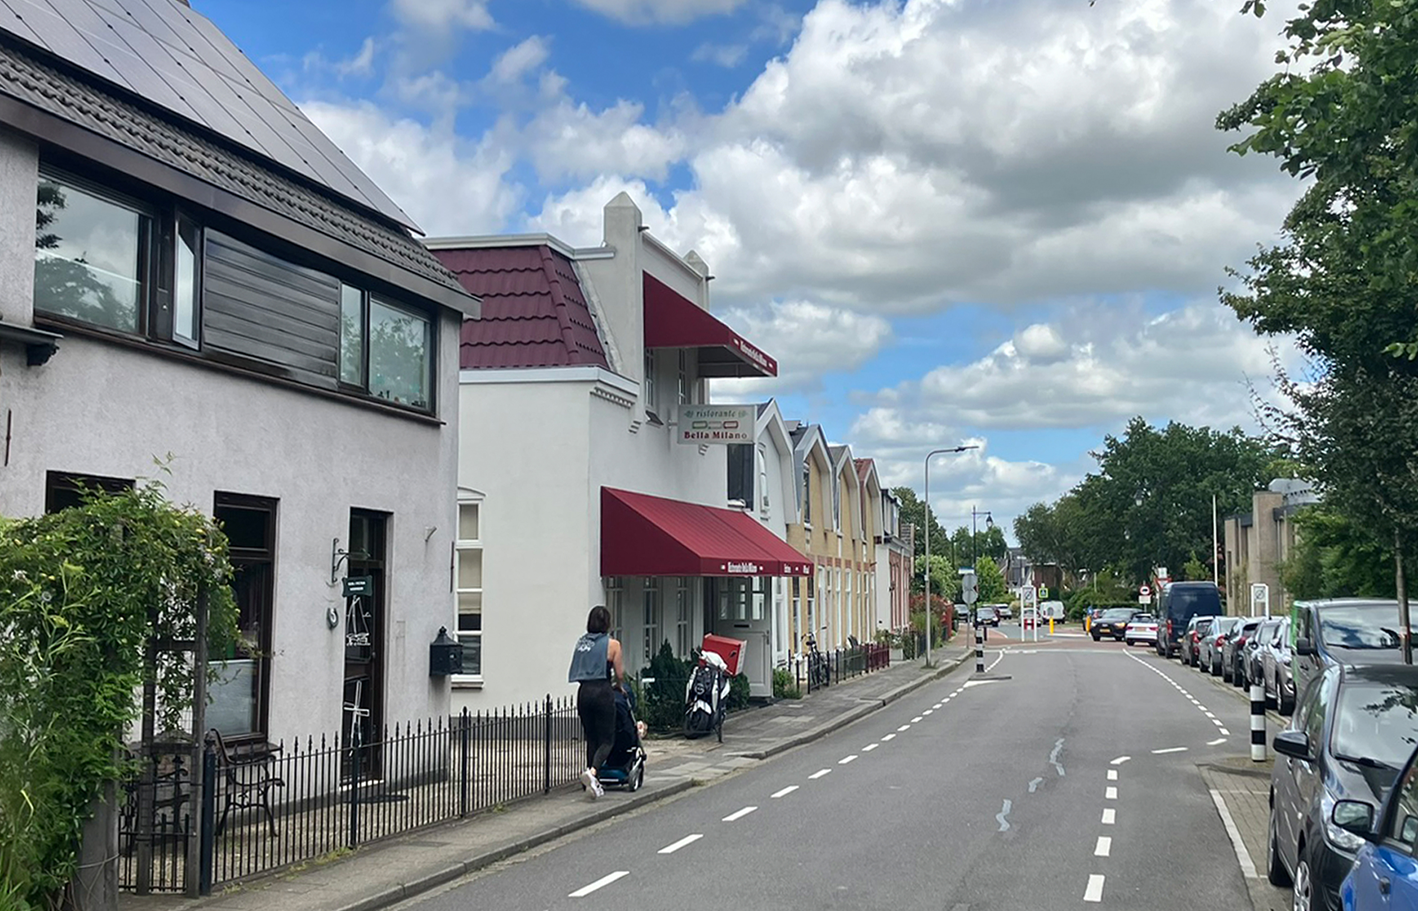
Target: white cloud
{"x": 441, "y": 16}
{"x": 725, "y": 55}
{"x": 646, "y": 12}
{"x": 807, "y": 340}
{"x": 520, "y": 59}
{"x": 571, "y": 140}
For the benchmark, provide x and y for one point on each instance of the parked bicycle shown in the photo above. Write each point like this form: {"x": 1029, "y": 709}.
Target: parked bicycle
{"x": 819, "y": 670}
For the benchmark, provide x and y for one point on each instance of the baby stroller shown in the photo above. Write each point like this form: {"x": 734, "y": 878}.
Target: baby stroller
{"x": 625, "y": 767}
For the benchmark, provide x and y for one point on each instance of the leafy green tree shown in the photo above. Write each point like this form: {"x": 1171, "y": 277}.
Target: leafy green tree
{"x": 990, "y": 581}
{"x": 1195, "y": 571}
{"x": 914, "y": 512}
{"x": 1066, "y": 533}
{"x": 1333, "y": 558}
{"x": 945, "y": 581}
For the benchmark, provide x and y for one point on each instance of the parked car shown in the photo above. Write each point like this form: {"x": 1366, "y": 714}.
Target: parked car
{"x": 1177, "y": 604}
{"x": 1141, "y": 628}
{"x": 962, "y": 615}
{"x": 1343, "y": 631}
{"x": 1385, "y": 873}
{"x": 1352, "y": 732}
{"x": 1113, "y": 623}
{"x": 1255, "y": 649}
{"x": 1005, "y": 611}
{"x": 1233, "y": 665}
{"x": 986, "y": 615}
{"x": 1210, "y": 646}
{"x": 1197, "y": 627}
{"x": 1278, "y": 680}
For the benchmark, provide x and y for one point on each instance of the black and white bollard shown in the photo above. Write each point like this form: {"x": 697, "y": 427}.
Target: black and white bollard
{"x": 1257, "y": 722}
{"x": 979, "y": 648}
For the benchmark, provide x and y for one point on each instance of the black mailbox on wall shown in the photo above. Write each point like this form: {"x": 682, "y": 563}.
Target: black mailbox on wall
{"x": 445, "y": 655}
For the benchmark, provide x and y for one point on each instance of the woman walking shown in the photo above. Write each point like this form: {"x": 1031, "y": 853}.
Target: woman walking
{"x": 596, "y": 667}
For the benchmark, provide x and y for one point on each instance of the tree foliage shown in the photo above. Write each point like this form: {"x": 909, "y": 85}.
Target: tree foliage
{"x": 913, "y": 510}
{"x": 990, "y": 581}
{"x": 82, "y": 594}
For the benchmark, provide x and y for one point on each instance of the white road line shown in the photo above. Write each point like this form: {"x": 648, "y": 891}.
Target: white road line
{"x": 1212, "y": 743}
{"x": 994, "y": 662}
{"x": 1110, "y": 817}
{"x": 603, "y": 881}
{"x": 1110, "y": 794}
{"x": 938, "y": 705}
{"x": 784, "y": 793}
{"x": 1226, "y": 732}
{"x": 1216, "y": 722}
{"x": 818, "y": 774}
{"x": 1120, "y": 760}
{"x": 1104, "y": 846}
{"x": 916, "y": 720}
{"x": 1169, "y": 750}
{"x": 888, "y": 738}
{"x": 687, "y": 840}
{"x": 1094, "y": 892}
{"x": 904, "y": 727}
{"x": 739, "y": 814}
{"x": 869, "y": 747}
{"x": 1112, "y": 774}
{"x": 928, "y": 712}
{"x": 1242, "y": 855}
{"x": 1209, "y": 715}
{"x": 846, "y": 759}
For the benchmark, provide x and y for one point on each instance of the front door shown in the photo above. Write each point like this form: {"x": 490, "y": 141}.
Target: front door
{"x": 745, "y": 611}
{"x": 364, "y": 642}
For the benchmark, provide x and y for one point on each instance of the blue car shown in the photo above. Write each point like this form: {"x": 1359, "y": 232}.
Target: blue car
{"x": 1385, "y": 873}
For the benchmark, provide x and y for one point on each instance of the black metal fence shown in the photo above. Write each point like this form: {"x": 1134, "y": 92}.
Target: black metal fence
{"x": 817, "y": 669}
{"x": 268, "y": 806}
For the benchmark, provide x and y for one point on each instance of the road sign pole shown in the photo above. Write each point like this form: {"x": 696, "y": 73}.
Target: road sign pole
{"x": 1258, "y": 722}
{"x": 979, "y": 646}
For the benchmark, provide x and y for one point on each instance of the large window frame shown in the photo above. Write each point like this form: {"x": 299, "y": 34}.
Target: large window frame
{"x": 253, "y": 558}
{"x": 468, "y": 601}
{"x": 653, "y": 610}
{"x": 361, "y": 376}
{"x": 63, "y": 489}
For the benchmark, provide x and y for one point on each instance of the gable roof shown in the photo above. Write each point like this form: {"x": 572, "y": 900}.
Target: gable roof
{"x": 35, "y": 95}
{"x": 534, "y": 312}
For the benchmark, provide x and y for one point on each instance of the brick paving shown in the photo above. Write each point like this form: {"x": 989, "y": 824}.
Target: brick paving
{"x": 1244, "y": 787}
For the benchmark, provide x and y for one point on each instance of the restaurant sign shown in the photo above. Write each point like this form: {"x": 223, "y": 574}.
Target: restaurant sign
{"x": 699, "y": 424}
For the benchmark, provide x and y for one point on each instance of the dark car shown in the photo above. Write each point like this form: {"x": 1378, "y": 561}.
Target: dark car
{"x": 1209, "y": 648}
{"x": 1233, "y": 665}
{"x": 1343, "y": 631}
{"x": 1113, "y": 622}
{"x": 1385, "y": 873}
{"x": 1352, "y": 731}
{"x": 986, "y": 615}
{"x": 1255, "y": 649}
{"x": 1177, "y": 604}
{"x": 1277, "y": 676}
{"x": 1189, "y": 645}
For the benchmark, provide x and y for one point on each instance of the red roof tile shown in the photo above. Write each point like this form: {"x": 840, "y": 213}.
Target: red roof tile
{"x": 534, "y": 314}
{"x": 864, "y": 467}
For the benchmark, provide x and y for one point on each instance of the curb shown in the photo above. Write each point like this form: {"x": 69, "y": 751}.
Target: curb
{"x": 405, "y": 891}
{"x": 857, "y": 713}
{"x": 1271, "y": 715}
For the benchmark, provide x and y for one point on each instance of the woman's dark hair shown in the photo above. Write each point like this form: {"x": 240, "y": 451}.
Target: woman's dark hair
{"x": 599, "y": 620}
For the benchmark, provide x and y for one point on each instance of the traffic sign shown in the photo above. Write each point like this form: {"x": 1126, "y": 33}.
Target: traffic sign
{"x": 1043, "y": 592}
{"x": 1144, "y": 590}
{"x": 969, "y": 588}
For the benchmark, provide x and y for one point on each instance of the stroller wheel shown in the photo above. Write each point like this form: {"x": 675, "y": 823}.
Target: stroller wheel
{"x": 634, "y": 782}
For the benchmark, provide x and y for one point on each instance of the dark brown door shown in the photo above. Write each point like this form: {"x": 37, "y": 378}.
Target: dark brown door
{"x": 364, "y": 642}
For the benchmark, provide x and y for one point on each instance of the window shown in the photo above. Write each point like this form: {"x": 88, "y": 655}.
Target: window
{"x": 1402, "y": 824}
{"x": 682, "y": 617}
{"x": 685, "y": 388}
{"x": 762, "y": 464}
{"x": 62, "y": 490}
{"x": 615, "y": 600}
{"x": 651, "y": 625}
{"x": 240, "y": 695}
{"x": 651, "y": 404}
{"x": 807, "y": 494}
{"x": 92, "y": 256}
{"x": 469, "y": 550}
{"x": 385, "y": 349}
{"x": 186, "y": 295}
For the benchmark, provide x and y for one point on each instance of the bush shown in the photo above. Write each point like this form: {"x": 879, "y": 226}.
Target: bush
{"x": 662, "y": 700}
{"x": 785, "y": 686}
{"x": 738, "y": 693}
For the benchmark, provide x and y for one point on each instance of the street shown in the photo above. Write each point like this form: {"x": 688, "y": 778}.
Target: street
{"x": 1072, "y": 782}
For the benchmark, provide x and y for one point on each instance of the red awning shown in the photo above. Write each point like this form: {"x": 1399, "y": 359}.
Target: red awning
{"x": 643, "y": 535}
{"x": 674, "y": 321}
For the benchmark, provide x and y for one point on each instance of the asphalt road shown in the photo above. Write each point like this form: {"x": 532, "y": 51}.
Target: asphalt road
{"x": 1072, "y": 783}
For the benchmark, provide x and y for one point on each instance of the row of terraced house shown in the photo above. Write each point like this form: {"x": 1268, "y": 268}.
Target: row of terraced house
{"x": 492, "y": 433}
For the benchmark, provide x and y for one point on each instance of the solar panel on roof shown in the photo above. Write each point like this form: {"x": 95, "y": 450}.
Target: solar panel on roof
{"x": 165, "y": 52}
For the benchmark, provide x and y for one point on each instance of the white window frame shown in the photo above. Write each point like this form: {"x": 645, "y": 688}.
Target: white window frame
{"x": 761, "y": 465}
{"x": 651, "y": 616}
{"x": 685, "y": 386}
{"x": 648, "y": 386}
{"x": 460, "y": 547}
{"x": 615, "y": 602}
{"x": 684, "y": 617}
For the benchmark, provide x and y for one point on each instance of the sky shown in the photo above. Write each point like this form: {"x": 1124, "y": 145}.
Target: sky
{"x": 999, "y": 223}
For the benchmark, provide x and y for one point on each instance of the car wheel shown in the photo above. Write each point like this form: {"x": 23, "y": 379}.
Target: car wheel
{"x": 1130, "y": 642}
{"x": 1285, "y": 704}
{"x": 1097, "y": 637}
{"x": 1304, "y": 895}
{"x": 1226, "y": 671}
{"x": 1275, "y": 870}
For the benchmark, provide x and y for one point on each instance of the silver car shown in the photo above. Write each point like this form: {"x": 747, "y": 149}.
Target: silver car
{"x": 1210, "y": 646}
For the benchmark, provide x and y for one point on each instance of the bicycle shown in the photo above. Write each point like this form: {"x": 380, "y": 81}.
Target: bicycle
{"x": 819, "y": 672}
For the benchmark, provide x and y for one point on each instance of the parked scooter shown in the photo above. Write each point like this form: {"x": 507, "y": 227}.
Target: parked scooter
{"x": 706, "y": 697}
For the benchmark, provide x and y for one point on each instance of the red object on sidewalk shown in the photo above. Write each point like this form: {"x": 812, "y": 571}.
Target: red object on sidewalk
{"x": 731, "y": 650}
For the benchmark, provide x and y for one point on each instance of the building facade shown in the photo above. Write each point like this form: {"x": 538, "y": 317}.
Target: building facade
{"x": 894, "y": 565}
{"x": 1256, "y": 543}
{"x": 576, "y": 488}
{"x": 225, "y": 294}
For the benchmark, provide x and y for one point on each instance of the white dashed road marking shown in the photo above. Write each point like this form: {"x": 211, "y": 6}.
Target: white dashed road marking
{"x": 1218, "y": 740}
{"x": 818, "y": 774}
{"x": 1226, "y": 732}
{"x": 1110, "y": 794}
{"x": 905, "y": 727}
{"x": 1170, "y": 750}
{"x": 1112, "y": 774}
{"x": 687, "y": 840}
{"x": 1094, "y": 892}
{"x": 784, "y": 793}
{"x": 846, "y": 759}
{"x": 1110, "y": 816}
{"x": 888, "y": 738}
{"x": 739, "y": 814}
{"x": 928, "y": 711}
{"x": 603, "y": 881}
{"x": 1120, "y": 760}
{"x": 869, "y": 747}
{"x": 1104, "y": 846}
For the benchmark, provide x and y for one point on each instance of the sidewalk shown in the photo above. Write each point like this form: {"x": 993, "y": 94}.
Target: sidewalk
{"x": 389, "y": 872}
{"x": 1242, "y": 787}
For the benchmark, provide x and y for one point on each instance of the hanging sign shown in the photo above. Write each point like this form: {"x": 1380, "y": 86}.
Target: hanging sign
{"x": 699, "y": 424}
{"x": 358, "y": 585}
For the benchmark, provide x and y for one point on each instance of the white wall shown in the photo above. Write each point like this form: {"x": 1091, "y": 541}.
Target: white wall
{"x": 102, "y": 409}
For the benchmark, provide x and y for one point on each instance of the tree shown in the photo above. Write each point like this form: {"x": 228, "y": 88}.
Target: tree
{"x": 1340, "y": 113}
{"x": 990, "y": 581}
{"x": 1195, "y": 571}
{"x": 1066, "y": 533}
{"x": 914, "y": 512}
{"x": 945, "y": 581}
{"x": 1333, "y": 558}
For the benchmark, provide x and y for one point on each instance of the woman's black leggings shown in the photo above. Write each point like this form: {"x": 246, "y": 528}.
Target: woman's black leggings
{"x": 595, "y": 703}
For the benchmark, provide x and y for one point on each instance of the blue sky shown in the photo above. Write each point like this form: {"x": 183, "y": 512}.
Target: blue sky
{"x": 996, "y": 222}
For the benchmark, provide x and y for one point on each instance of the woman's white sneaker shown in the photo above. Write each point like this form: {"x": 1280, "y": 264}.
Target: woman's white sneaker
{"x": 589, "y": 782}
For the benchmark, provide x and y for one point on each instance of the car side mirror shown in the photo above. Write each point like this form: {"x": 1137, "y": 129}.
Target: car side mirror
{"x": 1293, "y": 743}
{"x": 1354, "y": 816}
{"x": 1304, "y": 647}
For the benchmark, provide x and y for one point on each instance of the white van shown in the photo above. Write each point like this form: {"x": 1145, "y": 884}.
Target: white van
{"x": 1051, "y": 610}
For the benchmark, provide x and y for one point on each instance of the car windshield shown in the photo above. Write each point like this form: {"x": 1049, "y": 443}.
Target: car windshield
{"x": 1377, "y": 721}
{"x": 1117, "y": 613}
{"x": 1143, "y": 618}
{"x": 1370, "y": 626}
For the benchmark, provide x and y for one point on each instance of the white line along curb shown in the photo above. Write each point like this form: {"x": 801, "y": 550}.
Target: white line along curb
{"x": 1242, "y": 855}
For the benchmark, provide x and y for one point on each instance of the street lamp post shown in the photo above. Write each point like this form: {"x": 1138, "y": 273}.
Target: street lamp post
{"x": 989, "y": 523}
{"x": 930, "y": 455}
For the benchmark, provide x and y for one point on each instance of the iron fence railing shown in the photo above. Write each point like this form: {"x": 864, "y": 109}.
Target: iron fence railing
{"x": 269, "y": 806}
{"x": 817, "y": 669}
